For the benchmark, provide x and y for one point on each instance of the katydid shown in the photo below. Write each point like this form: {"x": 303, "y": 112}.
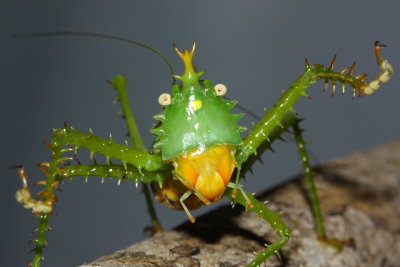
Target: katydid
{"x": 198, "y": 155}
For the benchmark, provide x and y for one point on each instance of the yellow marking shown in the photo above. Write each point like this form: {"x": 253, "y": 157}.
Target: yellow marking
{"x": 196, "y": 104}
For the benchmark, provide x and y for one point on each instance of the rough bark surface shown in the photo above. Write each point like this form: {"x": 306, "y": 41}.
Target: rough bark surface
{"x": 360, "y": 201}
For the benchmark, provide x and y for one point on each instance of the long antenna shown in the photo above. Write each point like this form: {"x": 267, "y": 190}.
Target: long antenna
{"x": 105, "y": 36}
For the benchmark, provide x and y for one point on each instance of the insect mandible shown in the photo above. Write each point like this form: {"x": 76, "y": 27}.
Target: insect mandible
{"x": 198, "y": 154}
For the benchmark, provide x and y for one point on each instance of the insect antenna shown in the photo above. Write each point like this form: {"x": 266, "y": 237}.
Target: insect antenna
{"x": 98, "y": 35}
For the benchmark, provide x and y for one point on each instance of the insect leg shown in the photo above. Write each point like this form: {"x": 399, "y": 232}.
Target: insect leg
{"x": 24, "y": 196}
{"x": 156, "y": 226}
{"x": 117, "y": 171}
{"x": 312, "y": 73}
{"x": 136, "y": 164}
{"x": 237, "y": 186}
{"x": 313, "y": 193}
{"x": 309, "y": 176}
{"x": 276, "y": 133}
{"x": 141, "y": 159}
{"x": 42, "y": 208}
{"x": 288, "y": 121}
{"x": 271, "y": 217}
{"x": 119, "y": 84}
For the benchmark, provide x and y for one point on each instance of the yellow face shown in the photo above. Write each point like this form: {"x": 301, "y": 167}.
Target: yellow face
{"x": 207, "y": 170}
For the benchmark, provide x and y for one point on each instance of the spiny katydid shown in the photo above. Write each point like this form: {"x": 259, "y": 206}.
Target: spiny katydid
{"x": 198, "y": 154}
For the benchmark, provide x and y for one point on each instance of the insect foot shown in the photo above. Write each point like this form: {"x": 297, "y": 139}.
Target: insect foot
{"x": 384, "y": 75}
{"x": 24, "y": 195}
{"x": 357, "y": 83}
{"x": 41, "y": 209}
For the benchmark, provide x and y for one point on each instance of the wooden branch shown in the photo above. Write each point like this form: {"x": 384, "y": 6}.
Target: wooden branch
{"x": 360, "y": 201}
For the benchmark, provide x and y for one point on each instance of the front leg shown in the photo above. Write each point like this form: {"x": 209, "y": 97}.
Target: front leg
{"x": 273, "y": 117}
{"x": 271, "y": 217}
{"x": 137, "y": 165}
{"x": 263, "y": 132}
{"x": 119, "y": 83}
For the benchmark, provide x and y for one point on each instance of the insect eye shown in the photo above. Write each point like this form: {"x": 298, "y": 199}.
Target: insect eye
{"x": 172, "y": 203}
{"x": 220, "y": 89}
{"x": 164, "y": 99}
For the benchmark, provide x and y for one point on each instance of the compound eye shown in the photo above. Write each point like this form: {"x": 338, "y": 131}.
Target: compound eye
{"x": 220, "y": 89}
{"x": 164, "y": 99}
{"x": 171, "y": 203}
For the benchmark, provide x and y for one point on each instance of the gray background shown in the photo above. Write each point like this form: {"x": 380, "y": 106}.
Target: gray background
{"x": 256, "y": 48}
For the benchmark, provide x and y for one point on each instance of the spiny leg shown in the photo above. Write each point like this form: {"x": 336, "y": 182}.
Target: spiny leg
{"x": 309, "y": 176}
{"x": 288, "y": 121}
{"x": 313, "y": 192}
{"x": 235, "y": 186}
{"x": 271, "y": 217}
{"x": 117, "y": 171}
{"x": 244, "y": 199}
{"x": 119, "y": 84}
{"x": 141, "y": 159}
{"x": 273, "y": 118}
{"x": 137, "y": 165}
{"x": 312, "y": 74}
{"x": 43, "y": 207}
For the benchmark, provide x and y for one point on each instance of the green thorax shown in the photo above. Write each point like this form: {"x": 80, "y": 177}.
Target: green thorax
{"x": 197, "y": 117}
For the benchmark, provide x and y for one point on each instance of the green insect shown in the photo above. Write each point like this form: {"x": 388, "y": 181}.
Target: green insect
{"x": 198, "y": 155}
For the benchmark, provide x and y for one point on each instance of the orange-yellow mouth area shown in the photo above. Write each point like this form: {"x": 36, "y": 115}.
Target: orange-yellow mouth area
{"x": 208, "y": 170}
{"x": 171, "y": 192}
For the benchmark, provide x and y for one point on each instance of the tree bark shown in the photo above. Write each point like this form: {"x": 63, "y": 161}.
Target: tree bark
{"x": 360, "y": 201}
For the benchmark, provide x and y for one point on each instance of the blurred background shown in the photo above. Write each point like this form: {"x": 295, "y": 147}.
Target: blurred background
{"x": 256, "y": 48}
